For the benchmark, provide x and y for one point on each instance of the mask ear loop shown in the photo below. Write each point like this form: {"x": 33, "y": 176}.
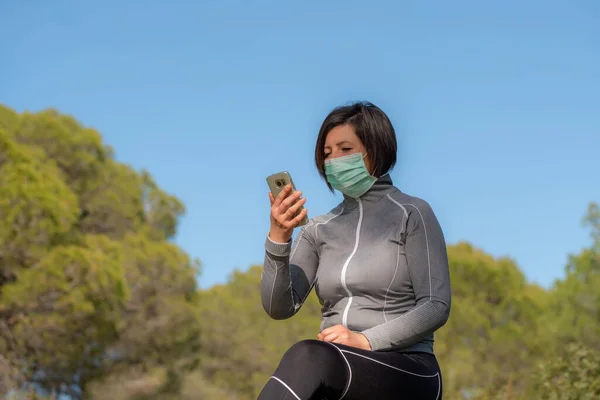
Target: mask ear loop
{"x": 366, "y": 165}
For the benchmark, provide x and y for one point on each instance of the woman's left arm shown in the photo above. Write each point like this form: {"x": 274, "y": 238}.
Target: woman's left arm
{"x": 427, "y": 260}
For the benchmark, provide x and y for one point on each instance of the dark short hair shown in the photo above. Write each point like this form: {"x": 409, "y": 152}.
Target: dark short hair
{"x": 373, "y": 128}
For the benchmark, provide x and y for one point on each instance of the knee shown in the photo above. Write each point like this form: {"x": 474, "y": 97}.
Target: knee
{"x": 312, "y": 352}
{"x": 315, "y": 368}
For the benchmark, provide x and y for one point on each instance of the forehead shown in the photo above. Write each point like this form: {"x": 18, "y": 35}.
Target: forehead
{"x": 339, "y": 134}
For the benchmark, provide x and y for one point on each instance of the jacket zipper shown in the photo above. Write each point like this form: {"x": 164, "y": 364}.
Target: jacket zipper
{"x": 345, "y": 267}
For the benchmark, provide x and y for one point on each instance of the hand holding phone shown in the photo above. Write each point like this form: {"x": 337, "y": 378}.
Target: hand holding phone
{"x": 287, "y": 207}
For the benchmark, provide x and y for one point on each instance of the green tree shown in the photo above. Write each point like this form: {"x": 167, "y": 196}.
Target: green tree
{"x": 568, "y": 336}
{"x": 91, "y": 289}
{"x": 8, "y": 119}
{"x": 574, "y": 376}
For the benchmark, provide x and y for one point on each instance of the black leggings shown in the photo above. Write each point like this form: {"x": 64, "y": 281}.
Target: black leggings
{"x": 316, "y": 370}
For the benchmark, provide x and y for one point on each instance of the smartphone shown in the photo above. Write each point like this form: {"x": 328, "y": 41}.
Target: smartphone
{"x": 276, "y": 184}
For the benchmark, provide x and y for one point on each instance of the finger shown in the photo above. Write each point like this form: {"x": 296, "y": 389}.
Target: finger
{"x": 283, "y": 194}
{"x": 333, "y": 328}
{"x": 298, "y": 218}
{"x": 291, "y": 212}
{"x": 341, "y": 340}
{"x": 331, "y": 337}
{"x": 271, "y": 198}
{"x": 291, "y": 199}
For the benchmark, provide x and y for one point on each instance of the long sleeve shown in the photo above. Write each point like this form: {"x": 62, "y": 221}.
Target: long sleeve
{"x": 288, "y": 274}
{"x": 427, "y": 260}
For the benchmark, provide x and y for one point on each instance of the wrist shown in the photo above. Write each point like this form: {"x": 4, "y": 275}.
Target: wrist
{"x": 277, "y": 236}
{"x": 365, "y": 342}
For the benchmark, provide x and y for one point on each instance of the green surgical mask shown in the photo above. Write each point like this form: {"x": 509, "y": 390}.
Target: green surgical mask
{"x": 349, "y": 175}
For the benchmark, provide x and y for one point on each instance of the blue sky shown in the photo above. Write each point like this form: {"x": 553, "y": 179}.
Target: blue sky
{"x": 496, "y": 105}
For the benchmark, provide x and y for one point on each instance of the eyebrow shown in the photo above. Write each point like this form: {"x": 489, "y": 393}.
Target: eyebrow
{"x": 340, "y": 143}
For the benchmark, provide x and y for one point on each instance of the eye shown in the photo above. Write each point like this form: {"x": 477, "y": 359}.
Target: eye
{"x": 346, "y": 149}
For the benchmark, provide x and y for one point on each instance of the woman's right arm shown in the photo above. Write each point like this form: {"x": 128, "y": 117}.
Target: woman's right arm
{"x": 288, "y": 275}
{"x": 289, "y": 271}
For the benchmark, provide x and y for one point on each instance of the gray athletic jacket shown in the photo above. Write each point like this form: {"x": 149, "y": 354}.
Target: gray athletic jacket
{"x": 378, "y": 264}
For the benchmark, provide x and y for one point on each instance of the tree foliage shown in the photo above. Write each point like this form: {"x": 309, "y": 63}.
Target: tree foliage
{"x": 89, "y": 283}
{"x": 575, "y": 376}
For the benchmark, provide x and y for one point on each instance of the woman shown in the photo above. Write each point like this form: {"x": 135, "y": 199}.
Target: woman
{"x": 378, "y": 263}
